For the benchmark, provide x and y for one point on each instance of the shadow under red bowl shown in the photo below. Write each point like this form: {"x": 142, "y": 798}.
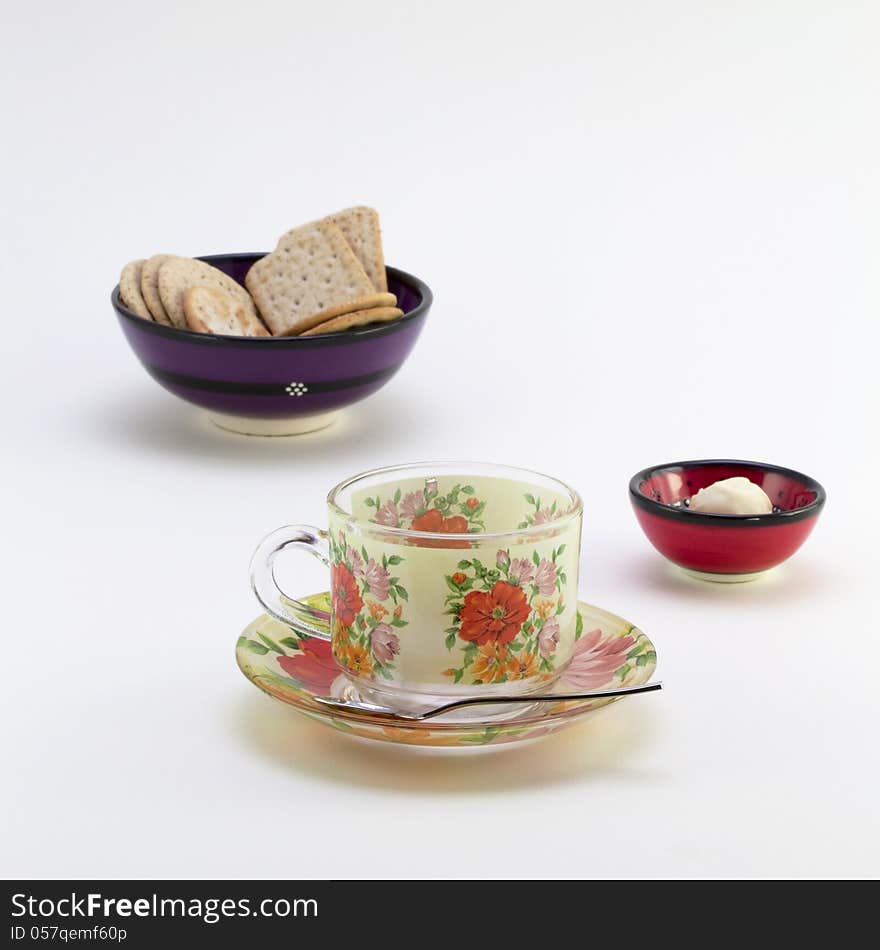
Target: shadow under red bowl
{"x": 731, "y": 547}
{"x": 282, "y": 385}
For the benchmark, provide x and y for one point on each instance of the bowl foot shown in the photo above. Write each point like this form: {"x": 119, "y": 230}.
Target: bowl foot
{"x": 723, "y": 578}
{"x": 298, "y": 425}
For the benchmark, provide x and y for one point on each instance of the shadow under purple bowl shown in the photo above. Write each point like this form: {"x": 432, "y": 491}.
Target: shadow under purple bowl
{"x": 282, "y": 385}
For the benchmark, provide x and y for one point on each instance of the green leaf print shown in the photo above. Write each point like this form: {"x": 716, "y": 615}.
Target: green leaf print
{"x": 270, "y": 643}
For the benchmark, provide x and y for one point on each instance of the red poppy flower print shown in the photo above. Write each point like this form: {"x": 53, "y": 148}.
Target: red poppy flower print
{"x": 344, "y": 593}
{"x": 495, "y": 614}
{"x": 432, "y": 520}
{"x": 314, "y": 667}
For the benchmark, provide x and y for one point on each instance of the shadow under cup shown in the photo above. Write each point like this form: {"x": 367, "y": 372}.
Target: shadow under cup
{"x": 446, "y": 580}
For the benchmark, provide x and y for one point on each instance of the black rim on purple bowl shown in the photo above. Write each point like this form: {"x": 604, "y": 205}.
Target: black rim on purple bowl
{"x": 426, "y": 298}
{"x": 777, "y": 517}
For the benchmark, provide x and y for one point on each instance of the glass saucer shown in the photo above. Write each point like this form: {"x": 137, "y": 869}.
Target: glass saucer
{"x": 609, "y": 652}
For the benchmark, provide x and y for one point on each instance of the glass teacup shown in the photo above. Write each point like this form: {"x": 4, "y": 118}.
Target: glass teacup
{"x": 446, "y": 579}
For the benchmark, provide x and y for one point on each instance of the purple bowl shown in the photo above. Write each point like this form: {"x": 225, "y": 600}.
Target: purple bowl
{"x": 283, "y": 385}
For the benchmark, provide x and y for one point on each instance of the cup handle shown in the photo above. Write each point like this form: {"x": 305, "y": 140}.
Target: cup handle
{"x": 282, "y": 607}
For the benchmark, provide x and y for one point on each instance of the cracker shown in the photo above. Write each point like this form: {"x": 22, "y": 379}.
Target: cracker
{"x": 368, "y": 302}
{"x": 150, "y": 287}
{"x": 312, "y": 275}
{"x": 359, "y": 318}
{"x": 360, "y": 227}
{"x": 130, "y": 289}
{"x": 179, "y": 273}
{"x": 209, "y": 310}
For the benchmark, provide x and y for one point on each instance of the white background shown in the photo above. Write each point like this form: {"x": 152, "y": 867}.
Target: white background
{"x": 652, "y": 231}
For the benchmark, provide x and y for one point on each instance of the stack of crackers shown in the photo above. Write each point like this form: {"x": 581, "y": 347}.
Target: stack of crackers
{"x": 324, "y": 277}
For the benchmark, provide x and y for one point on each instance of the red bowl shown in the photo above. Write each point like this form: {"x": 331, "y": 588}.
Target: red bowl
{"x": 725, "y": 547}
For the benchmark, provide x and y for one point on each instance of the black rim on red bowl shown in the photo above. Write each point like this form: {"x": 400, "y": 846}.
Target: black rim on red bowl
{"x": 286, "y": 342}
{"x": 656, "y": 507}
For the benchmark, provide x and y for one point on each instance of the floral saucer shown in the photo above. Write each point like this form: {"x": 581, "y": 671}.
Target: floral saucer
{"x": 609, "y": 652}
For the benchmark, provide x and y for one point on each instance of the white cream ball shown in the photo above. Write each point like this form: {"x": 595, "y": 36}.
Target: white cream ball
{"x": 732, "y": 496}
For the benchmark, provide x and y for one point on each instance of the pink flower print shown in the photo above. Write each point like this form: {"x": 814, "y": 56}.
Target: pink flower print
{"x": 542, "y": 516}
{"x": 413, "y": 504}
{"x": 545, "y": 577}
{"x": 385, "y": 643}
{"x": 548, "y": 638}
{"x": 502, "y": 559}
{"x": 388, "y": 515}
{"x": 595, "y": 659}
{"x": 377, "y": 579}
{"x": 356, "y": 561}
{"x": 521, "y": 571}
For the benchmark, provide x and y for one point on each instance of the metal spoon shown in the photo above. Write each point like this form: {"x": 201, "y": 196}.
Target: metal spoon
{"x": 376, "y": 710}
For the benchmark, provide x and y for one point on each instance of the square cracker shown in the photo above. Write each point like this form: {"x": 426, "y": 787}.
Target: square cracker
{"x": 360, "y": 227}
{"x": 312, "y": 275}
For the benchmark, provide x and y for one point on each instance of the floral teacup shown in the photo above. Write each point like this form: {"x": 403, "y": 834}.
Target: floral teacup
{"x": 446, "y": 578}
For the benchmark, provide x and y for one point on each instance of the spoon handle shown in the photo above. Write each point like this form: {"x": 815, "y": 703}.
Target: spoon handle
{"x": 549, "y": 698}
